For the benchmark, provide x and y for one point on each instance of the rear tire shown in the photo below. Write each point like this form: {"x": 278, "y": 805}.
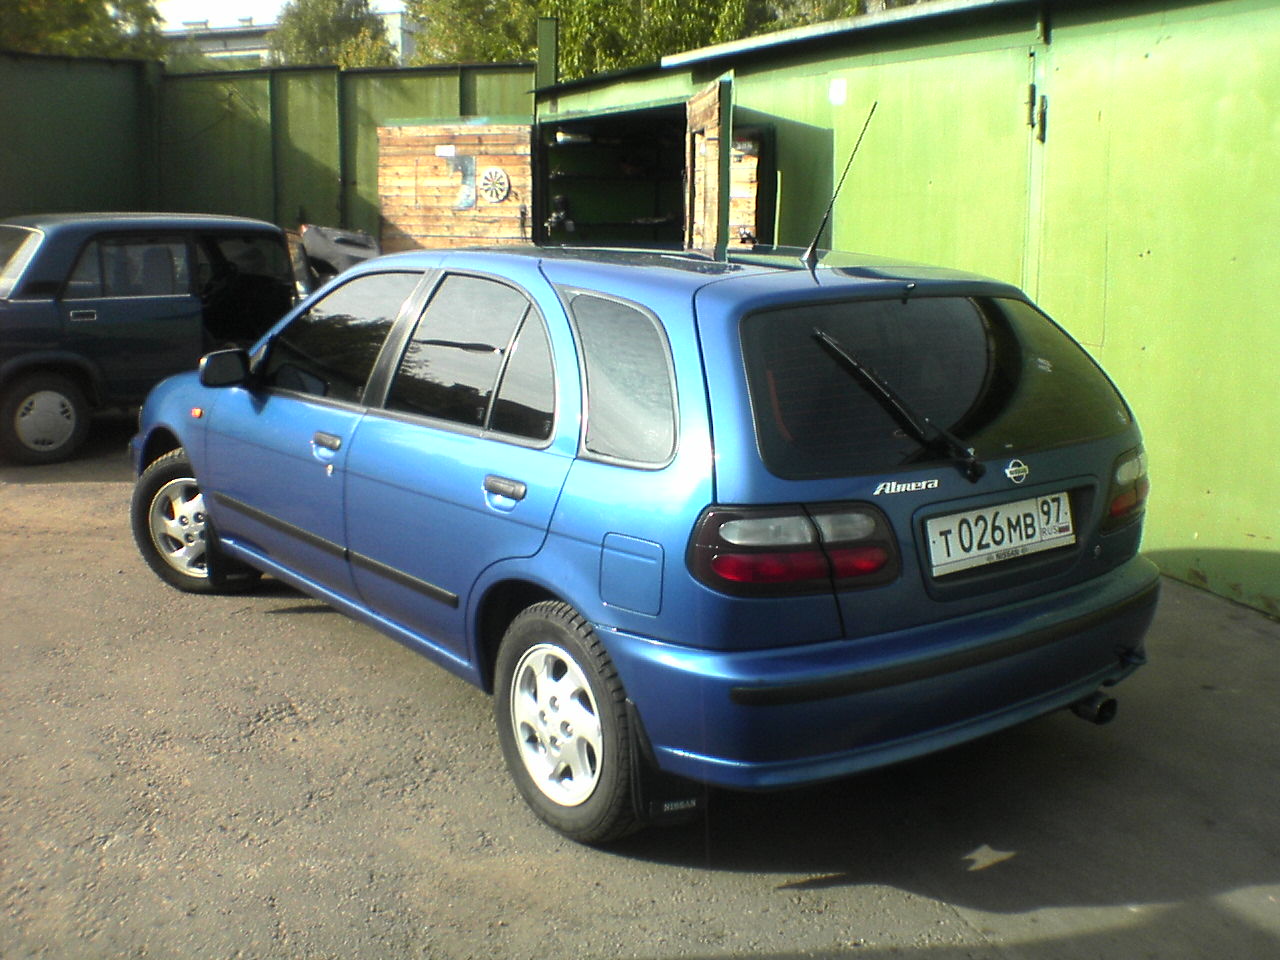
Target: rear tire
{"x": 44, "y": 418}
{"x": 562, "y": 722}
{"x": 172, "y": 530}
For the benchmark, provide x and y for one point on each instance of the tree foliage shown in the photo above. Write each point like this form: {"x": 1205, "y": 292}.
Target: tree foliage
{"x": 343, "y": 32}
{"x": 601, "y": 35}
{"x": 83, "y": 28}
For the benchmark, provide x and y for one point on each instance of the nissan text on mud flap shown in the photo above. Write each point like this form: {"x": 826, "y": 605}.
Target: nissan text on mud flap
{"x": 749, "y": 523}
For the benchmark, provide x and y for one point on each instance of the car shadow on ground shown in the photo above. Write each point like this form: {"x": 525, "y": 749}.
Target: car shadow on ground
{"x": 1172, "y": 803}
{"x": 104, "y": 458}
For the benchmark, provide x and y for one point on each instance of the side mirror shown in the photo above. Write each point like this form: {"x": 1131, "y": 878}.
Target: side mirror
{"x": 224, "y": 368}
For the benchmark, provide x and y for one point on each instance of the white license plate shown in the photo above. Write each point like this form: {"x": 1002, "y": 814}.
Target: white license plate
{"x": 975, "y": 538}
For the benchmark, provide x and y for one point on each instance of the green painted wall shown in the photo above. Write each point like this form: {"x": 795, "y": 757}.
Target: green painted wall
{"x": 79, "y": 134}
{"x": 1144, "y": 213}
{"x": 1159, "y": 246}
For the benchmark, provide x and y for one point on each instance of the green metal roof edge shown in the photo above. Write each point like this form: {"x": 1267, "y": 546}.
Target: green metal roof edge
{"x": 835, "y": 28}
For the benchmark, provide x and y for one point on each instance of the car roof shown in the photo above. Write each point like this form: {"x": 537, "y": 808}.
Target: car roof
{"x": 745, "y": 274}
{"x": 81, "y": 223}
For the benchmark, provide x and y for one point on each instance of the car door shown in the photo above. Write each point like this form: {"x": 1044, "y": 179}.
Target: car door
{"x": 458, "y": 470}
{"x": 276, "y": 455}
{"x": 129, "y": 306}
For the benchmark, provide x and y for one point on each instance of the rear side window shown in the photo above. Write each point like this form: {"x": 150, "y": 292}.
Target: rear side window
{"x": 330, "y": 349}
{"x": 480, "y": 358}
{"x": 131, "y": 267}
{"x": 997, "y": 373}
{"x": 631, "y": 414}
{"x": 17, "y": 244}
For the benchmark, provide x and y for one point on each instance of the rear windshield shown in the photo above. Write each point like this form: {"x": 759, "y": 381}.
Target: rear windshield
{"x": 16, "y": 246}
{"x": 997, "y": 373}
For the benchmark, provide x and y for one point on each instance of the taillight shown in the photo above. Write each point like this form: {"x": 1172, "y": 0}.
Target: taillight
{"x": 1127, "y": 497}
{"x": 775, "y": 551}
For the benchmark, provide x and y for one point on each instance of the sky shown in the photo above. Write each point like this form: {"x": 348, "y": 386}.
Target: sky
{"x": 227, "y": 13}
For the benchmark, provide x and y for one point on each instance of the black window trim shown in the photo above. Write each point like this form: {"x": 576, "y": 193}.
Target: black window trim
{"x": 396, "y": 345}
{"x": 567, "y": 294}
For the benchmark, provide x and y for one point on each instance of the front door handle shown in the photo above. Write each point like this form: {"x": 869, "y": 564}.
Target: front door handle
{"x": 503, "y": 487}
{"x": 328, "y": 441}
{"x": 83, "y": 315}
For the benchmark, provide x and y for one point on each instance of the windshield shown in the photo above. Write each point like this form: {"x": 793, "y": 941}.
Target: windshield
{"x": 17, "y": 244}
{"x": 997, "y": 374}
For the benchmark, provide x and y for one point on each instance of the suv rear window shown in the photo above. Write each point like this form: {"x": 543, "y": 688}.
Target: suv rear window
{"x": 997, "y": 373}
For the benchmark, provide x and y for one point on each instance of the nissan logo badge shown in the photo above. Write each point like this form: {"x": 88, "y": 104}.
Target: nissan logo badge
{"x": 1017, "y": 471}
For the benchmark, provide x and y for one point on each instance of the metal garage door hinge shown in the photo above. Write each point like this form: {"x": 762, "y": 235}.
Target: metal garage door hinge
{"x": 1037, "y": 112}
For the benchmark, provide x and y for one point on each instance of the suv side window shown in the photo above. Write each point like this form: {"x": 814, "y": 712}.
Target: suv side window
{"x": 479, "y": 357}
{"x": 631, "y": 413}
{"x": 131, "y": 267}
{"x": 329, "y": 350}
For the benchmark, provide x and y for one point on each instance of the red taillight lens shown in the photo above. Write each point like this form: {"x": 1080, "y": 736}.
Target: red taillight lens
{"x": 1129, "y": 488}
{"x": 775, "y": 567}
{"x": 858, "y": 561}
{"x": 792, "y": 550}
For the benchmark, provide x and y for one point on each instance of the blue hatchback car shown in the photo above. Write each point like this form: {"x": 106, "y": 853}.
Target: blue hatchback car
{"x": 747, "y": 523}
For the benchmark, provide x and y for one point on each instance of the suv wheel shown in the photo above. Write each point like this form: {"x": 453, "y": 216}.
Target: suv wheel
{"x": 44, "y": 417}
{"x": 562, "y": 722}
{"x": 173, "y": 534}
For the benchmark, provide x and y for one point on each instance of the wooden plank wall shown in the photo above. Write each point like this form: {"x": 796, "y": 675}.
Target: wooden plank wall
{"x": 429, "y": 180}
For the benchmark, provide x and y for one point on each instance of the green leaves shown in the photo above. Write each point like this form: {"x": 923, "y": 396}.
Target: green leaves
{"x": 83, "y": 28}
{"x": 597, "y": 36}
{"x": 342, "y": 32}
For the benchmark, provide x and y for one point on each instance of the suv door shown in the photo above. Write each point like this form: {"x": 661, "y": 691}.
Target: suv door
{"x": 276, "y": 455}
{"x": 129, "y": 307}
{"x": 458, "y": 470}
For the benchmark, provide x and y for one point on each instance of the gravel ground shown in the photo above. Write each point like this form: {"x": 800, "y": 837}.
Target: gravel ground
{"x": 261, "y": 777}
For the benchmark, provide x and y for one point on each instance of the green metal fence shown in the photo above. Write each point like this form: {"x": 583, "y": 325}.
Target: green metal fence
{"x": 79, "y": 134}
{"x": 289, "y": 145}
{"x": 300, "y": 145}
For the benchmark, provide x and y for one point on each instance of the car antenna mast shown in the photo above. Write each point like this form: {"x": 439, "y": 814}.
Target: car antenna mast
{"x": 810, "y": 256}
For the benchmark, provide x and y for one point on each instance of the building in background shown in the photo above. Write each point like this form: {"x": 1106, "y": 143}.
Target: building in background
{"x": 243, "y": 43}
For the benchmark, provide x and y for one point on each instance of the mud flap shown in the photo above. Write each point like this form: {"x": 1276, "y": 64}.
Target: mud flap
{"x": 657, "y": 797}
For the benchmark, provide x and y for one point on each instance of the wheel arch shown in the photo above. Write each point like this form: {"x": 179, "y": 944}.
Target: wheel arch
{"x": 159, "y": 441}
{"x": 502, "y": 602}
{"x": 75, "y": 368}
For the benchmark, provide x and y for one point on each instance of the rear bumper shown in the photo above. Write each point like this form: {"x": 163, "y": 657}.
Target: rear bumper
{"x": 773, "y": 718}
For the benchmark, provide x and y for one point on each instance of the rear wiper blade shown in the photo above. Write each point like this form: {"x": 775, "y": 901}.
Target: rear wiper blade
{"x": 925, "y": 431}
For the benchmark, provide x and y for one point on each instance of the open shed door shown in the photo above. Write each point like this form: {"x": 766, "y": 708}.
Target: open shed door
{"x": 707, "y": 154}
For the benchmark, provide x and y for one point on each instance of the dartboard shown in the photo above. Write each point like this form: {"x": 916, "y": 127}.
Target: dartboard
{"x": 495, "y": 185}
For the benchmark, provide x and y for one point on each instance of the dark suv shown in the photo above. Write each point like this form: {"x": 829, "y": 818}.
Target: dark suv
{"x": 744, "y": 523}
{"x": 95, "y": 309}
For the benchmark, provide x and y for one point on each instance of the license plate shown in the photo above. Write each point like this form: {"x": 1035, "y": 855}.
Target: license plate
{"x": 960, "y": 541}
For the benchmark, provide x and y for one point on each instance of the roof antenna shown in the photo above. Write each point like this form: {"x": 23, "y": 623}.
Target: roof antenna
{"x": 810, "y": 257}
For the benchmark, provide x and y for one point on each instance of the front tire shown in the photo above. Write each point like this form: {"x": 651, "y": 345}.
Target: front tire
{"x": 171, "y": 528}
{"x": 44, "y": 418}
{"x": 562, "y": 722}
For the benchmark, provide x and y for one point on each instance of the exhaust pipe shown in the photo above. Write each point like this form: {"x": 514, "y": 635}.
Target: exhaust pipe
{"x": 1096, "y": 708}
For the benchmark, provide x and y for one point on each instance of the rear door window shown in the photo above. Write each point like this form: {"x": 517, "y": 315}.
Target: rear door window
{"x": 479, "y": 358}
{"x": 997, "y": 373}
{"x": 131, "y": 267}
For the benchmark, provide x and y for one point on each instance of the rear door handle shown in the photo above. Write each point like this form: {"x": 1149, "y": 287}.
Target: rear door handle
{"x": 503, "y": 487}
{"x": 84, "y": 314}
{"x": 328, "y": 441}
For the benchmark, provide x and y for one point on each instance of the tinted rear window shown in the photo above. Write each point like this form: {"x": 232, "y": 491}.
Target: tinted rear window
{"x": 997, "y": 373}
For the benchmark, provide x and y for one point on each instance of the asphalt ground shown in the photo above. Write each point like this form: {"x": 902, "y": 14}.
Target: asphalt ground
{"x": 261, "y": 777}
